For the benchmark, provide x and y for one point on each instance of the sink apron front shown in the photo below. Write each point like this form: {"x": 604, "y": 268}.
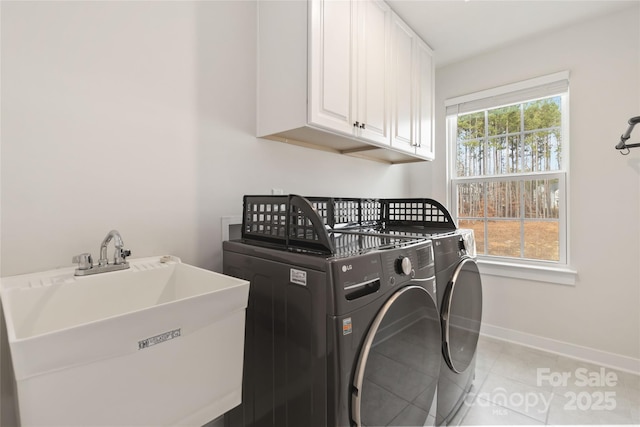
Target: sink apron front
{"x": 169, "y": 353}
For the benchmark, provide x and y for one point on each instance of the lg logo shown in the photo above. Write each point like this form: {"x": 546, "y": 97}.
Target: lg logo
{"x": 346, "y": 268}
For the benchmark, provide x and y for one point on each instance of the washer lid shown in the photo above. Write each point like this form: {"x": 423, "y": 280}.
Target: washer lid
{"x": 398, "y": 368}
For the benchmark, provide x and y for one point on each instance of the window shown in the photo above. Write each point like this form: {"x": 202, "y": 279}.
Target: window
{"x": 509, "y": 152}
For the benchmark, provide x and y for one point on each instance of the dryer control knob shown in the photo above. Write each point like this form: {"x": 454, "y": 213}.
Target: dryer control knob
{"x": 403, "y": 265}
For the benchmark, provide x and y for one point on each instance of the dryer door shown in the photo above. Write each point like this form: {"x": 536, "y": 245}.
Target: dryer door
{"x": 461, "y": 315}
{"x": 397, "y": 371}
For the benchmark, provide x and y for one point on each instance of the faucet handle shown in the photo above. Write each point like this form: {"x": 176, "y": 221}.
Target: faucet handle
{"x": 84, "y": 261}
{"x": 121, "y": 255}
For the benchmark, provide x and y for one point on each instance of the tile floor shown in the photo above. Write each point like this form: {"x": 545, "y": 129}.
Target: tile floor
{"x": 517, "y": 385}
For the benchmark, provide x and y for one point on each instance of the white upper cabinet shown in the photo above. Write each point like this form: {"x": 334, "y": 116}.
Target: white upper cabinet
{"x": 403, "y": 114}
{"x": 412, "y": 102}
{"x": 372, "y": 71}
{"x": 334, "y": 75}
{"x": 331, "y": 66}
{"x": 424, "y": 102}
{"x": 349, "y": 68}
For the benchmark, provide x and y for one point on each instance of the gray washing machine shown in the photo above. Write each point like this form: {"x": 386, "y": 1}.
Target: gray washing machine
{"x": 459, "y": 291}
{"x": 343, "y": 326}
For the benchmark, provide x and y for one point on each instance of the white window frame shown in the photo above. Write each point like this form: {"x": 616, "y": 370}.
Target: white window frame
{"x": 536, "y": 88}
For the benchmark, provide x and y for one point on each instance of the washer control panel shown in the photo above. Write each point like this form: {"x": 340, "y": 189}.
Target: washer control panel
{"x": 403, "y": 266}
{"x": 359, "y": 279}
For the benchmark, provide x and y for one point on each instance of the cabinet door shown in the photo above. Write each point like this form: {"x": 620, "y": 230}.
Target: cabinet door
{"x": 331, "y": 43}
{"x": 402, "y": 107}
{"x": 424, "y": 101}
{"x": 372, "y": 114}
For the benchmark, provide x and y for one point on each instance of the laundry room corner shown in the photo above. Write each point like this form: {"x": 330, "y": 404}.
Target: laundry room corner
{"x": 604, "y": 191}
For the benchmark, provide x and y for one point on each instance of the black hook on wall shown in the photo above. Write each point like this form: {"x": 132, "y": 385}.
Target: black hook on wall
{"x": 622, "y": 145}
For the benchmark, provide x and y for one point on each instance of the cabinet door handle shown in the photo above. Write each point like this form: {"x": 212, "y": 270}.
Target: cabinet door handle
{"x": 362, "y": 126}
{"x": 356, "y": 124}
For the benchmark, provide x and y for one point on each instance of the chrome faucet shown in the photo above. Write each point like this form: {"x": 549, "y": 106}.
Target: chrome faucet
{"x": 85, "y": 261}
{"x": 118, "y": 257}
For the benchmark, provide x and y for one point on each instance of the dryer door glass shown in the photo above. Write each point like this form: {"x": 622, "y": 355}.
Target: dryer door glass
{"x": 461, "y": 315}
{"x": 398, "y": 368}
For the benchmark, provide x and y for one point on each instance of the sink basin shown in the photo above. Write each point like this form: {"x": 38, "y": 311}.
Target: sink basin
{"x": 160, "y": 343}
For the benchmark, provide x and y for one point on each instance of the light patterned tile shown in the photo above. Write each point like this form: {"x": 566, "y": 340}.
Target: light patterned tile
{"x": 462, "y": 411}
{"x": 635, "y": 415}
{"x": 587, "y": 396}
{"x": 528, "y": 400}
{"x": 489, "y": 350}
{"x": 523, "y": 364}
{"x": 410, "y": 416}
{"x": 628, "y": 402}
{"x": 491, "y": 344}
{"x": 481, "y": 376}
{"x": 622, "y": 378}
{"x": 588, "y": 409}
{"x": 592, "y": 392}
{"x": 484, "y": 413}
{"x": 629, "y": 380}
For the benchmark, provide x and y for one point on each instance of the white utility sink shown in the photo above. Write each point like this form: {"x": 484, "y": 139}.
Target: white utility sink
{"x": 160, "y": 343}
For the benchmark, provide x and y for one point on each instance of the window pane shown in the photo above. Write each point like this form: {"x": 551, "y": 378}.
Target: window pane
{"x": 503, "y": 199}
{"x": 541, "y": 240}
{"x": 478, "y": 231}
{"x": 541, "y": 198}
{"x": 470, "y": 200}
{"x": 504, "y": 120}
{"x": 471, "y": 126}
{"x": 543, "y": 134}
{"x": 470, "y": 157}
{"x": 542, "y": 114}
{"x": 504, "y": 238}
{"x": 502, "y": 155}
{"x": 542, "y": 150}
{"x": 470, "y": 144}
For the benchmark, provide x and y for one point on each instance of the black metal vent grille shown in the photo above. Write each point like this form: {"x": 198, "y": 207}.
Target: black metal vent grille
{"x": 343, "y": 212}
{"x": 266, "y": 217}
{"x": 371, "y": 212}
{"x": 295, "y": 222}
{"x": 322, "y": 208}
{"x": 417, "y": 212}
{"x": 346, "y": 211}
{"x": 300, "y": 226}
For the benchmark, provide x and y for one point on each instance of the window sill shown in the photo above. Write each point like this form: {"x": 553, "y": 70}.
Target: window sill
{"x": 538, "y": 273}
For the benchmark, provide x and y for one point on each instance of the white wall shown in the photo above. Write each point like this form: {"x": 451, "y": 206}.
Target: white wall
{"x": 602, "y": 311}
{"x": 140, "y": 116}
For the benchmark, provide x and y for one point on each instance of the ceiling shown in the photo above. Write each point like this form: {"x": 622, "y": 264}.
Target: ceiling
{"x": 459, "y": 29}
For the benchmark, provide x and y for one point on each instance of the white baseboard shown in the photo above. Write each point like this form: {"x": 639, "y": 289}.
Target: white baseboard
{"x": 587, "y": 354}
